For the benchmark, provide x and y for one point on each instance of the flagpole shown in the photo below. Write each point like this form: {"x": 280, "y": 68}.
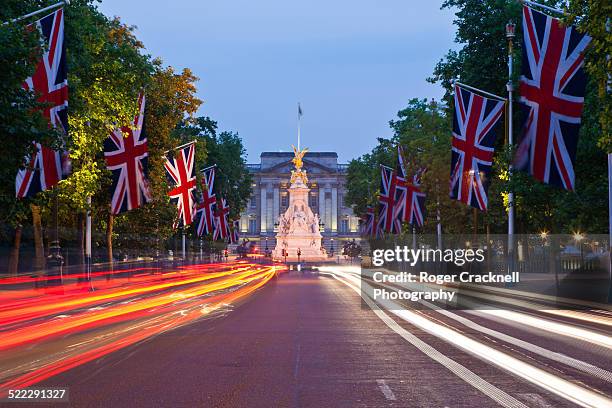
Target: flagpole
{"x": 510, "y": 27}
{"x": 88, "y": 239}
{"x": 207, "y": 168}
{"x": 42, "y": 10}
{"x": 182, "y": 146}
{"x": 610, "y": 224}
{"x": 184, "y": 245}
{"x": 299, "y": 123}
{"x": 471, "y": 88}
{"x": 533, "y": 3}
{"x": 609, "y": 90}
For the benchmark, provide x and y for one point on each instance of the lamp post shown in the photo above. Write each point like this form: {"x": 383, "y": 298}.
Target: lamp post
{"x": 510, "y": 32}
{"x": 578, "y": 237}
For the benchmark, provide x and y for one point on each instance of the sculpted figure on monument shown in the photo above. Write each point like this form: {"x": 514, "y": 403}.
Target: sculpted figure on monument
{"x": 299, "y": 223}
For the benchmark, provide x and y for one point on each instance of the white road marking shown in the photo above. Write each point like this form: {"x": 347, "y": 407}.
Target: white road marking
{"x": 502, "y": 398}
{"x": 553, "y": 327}
{"x": 382, "y": 384}
{"x": 559, "y": 386}
{"x": 536, "y": 400}
{"x": 559, "y": 357}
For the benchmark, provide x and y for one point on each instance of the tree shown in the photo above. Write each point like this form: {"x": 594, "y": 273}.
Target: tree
{"x": 170, "y": 101}
{"x": 593, "y": 17}
{"x": 226, "y": 151}
{"x": 481, "y": 62}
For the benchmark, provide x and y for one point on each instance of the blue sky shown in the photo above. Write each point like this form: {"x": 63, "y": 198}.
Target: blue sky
{"x": 351, "y": 64}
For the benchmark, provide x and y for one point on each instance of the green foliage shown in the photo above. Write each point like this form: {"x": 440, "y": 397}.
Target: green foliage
{"x": 20, "y": 119}
{"x": 226, "y": 151}
{"x": 425, "y": 130}
{"x": 594, "y": 18}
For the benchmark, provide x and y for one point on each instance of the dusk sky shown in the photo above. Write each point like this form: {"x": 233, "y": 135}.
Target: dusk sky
{"x": 351, "y": 64}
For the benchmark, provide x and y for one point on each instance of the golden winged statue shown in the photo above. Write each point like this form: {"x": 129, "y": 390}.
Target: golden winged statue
{"x": 298, "y": 173}
{"x": 299, "y": 154}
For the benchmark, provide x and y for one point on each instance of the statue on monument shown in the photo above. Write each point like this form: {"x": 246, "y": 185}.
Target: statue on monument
{"x": 298, "y": 174}
{"x": 298, "y": 227}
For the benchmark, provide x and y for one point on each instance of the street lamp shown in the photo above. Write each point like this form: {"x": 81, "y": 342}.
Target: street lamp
{"x": 544, "y": 234}
{"x": 510, "y": 30}
{"x": 578, "y": 237}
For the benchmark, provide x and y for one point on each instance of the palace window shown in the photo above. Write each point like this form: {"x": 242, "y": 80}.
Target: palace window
{"x": 344, "y": 226}
{"x": 313, "y": 201}
{"x": 284, "y": 200}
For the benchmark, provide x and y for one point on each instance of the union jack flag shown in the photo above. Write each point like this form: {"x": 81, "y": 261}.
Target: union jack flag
{"x": 389, "y": 198}
{"x": 411, "y": 208}
{"x": 126, "y": 154}
{"x": 222, "y": 227}
{"x": 235, "y": 235}
{"x": 41, "y": 173}
{"x": 205, "y": 209}
{"x": 50, "y": 84}
{"x": 368, "y": 223}
{"x": 474, "y": 125}
{"x": 552, "y": 90}
{"x": 180, "y": 170}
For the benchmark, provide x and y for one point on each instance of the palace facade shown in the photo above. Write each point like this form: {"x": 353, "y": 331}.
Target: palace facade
{"x": 270, "y": 198}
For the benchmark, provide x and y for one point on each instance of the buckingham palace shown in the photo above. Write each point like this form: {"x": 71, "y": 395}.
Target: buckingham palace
{"x": 270, "y": 198}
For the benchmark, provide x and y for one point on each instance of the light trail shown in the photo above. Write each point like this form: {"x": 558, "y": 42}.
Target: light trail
{"x": 568, "y": 390}
{"x": 154, "y": 309}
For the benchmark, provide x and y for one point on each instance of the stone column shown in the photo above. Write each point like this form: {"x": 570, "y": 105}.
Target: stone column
{"x": 276, "y": 204}
{"x": 334, "y": 208}
{"x": 263, "y": 202}
{"x": 322, "y": 205}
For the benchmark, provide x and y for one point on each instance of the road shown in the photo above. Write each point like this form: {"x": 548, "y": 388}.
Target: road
{"x": 310, "y": 340}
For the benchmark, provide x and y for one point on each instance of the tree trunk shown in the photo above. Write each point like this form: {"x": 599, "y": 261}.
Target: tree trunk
{"x": 109, "y": 238}
{"x": 14, "y": 259}
{"x": 39, "y": 249}
{"x": 81, "y": 240}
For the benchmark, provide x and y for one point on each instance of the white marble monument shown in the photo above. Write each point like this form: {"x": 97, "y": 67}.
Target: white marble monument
{"x": 298, "y": 227}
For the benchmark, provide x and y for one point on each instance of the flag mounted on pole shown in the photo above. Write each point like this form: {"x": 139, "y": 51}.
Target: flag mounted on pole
{"x": 388, "y": 220}
{"x": 368, "y": 228}
{"x": 412, "y": 210}
{"x": 126, "y": 154}
{"x": 205, "y": 209}
{"x": 411, "y": 207}
{"x": 222, "y": 227}
{"x": 552, "y": 87}
{"x": 50, "y": 84}
{"x": 180, "y": 171}
{"x": 474, "y": 130}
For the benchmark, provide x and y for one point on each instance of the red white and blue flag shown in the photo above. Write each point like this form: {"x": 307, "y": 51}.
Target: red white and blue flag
{"x": 222, "y": 227}
{"x": 50, "y": 84}
{"x": 411, "y": 206}
{"x": 180, "y": 170}
{"x": 41, "y": 173}
{"x": 126, "y": 154}
{"x": 389, "y": 198}
{"x": 205, "y": 209}
{"x": 474, "y": 130}
{"x": 368, "y": 227}
{"x": 552, "y": 87}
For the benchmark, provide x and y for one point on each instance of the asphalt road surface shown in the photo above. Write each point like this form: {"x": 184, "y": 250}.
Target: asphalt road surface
{"x": 308, "y": 340}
